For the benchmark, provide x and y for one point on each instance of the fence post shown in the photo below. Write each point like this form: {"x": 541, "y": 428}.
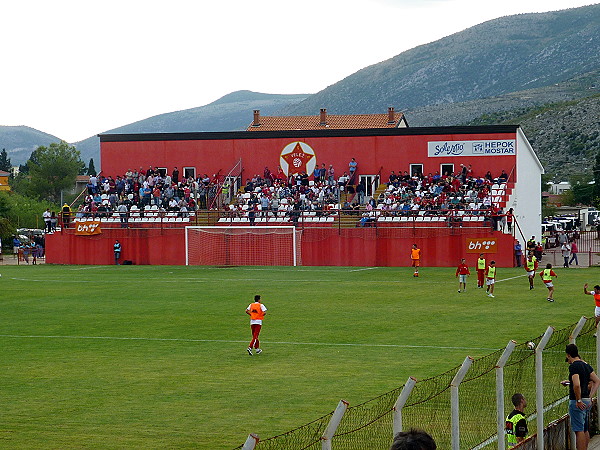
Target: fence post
{"x": 334, "y": 422}
{"x": 501, "y": 419}
{"x": 251, "y": 442}
{"x": 400, "y": 402}
{"x": 539, "y": 386}
{"x": 577, "y": 329}
{"x": 458, "y": 378}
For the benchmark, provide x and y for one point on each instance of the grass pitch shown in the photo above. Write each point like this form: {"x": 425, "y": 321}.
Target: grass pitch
{"x": 154, "y": 357}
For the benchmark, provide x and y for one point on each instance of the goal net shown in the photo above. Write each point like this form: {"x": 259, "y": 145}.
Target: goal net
{"x": 243, "y": 246}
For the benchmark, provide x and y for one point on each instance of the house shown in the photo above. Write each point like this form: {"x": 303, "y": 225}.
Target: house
{"x": 4, "y": 186}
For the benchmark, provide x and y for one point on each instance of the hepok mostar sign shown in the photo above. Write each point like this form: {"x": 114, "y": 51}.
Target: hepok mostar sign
{"x": 505, "y": 147}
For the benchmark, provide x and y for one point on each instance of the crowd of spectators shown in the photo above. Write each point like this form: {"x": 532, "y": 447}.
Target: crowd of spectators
{"x": 451, "y": 195}
{"x": 274, "y": 193}
{"x": 142, "y": 189}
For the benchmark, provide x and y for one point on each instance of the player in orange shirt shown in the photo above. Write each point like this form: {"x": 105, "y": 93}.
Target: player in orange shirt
{"x": 463, "y": 271}
{"x": 257, "y": 312}
{"x": 415, "y": 256}
{"x": 596, "y": 294}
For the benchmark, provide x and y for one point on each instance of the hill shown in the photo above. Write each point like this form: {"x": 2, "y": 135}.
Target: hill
{"x": 20, "y": 141}
{"x": 497, "y": 57}
{"x": 501, "y": 70}
{"x": 233, "y": 112}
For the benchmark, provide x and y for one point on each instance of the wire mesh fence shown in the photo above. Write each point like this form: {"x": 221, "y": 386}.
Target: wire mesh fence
{"x": 371, "y": 424}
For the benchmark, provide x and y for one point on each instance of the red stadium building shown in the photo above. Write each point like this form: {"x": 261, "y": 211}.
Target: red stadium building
{"x": 390, "y": 146}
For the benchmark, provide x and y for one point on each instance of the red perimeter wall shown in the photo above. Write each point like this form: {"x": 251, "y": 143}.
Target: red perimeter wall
{"x": 364, "y": 247}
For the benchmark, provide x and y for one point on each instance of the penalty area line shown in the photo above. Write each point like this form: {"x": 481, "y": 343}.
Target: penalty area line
{"x": 225, "y": 341}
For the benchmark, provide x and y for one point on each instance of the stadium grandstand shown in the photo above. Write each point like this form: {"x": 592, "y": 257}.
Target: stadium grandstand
{"x": 357, "y": 190}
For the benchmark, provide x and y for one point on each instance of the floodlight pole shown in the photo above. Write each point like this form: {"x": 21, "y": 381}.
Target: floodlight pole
{"x": 400, "y": 402}
{"x": 501, "y": 420}
{"x": 539, "y": 386}
{"x": 334, "y": 422}
{"x": 251, "y": 442}
{"x": 458, "y": 378}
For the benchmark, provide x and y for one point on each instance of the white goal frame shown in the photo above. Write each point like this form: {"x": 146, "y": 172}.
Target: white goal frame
{"x": 292, "y": 231}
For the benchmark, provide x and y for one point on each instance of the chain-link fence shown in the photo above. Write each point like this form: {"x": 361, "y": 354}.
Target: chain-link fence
{"x": 429, "y": 405}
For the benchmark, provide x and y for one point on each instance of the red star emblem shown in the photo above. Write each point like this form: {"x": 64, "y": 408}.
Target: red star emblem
{"x": 297, "y": 160}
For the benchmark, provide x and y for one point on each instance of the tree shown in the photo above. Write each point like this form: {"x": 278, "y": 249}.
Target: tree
{"x": 53, "y": 169}
{"x": 91, "y": 169}
{"x": 5, "y": 161}
{"x": 596, "y": 189}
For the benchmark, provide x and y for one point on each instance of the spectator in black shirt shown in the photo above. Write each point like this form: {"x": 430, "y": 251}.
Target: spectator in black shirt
{"x": 583, "y": 384}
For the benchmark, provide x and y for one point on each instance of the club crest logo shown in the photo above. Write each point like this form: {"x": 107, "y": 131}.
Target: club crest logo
{"x": 297, "y": 157}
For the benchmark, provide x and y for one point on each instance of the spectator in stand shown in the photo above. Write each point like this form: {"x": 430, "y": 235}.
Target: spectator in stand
{"x": 53, "y": 222}
{"x": 323, "y": 174}
{"x": 352, "y": 165}
{"x": 46, "y": 216}
{"x": 509, "y": 219}
{"x": 123, "y": 215}
{"x": 503, "y": 178}
{"x": 316, "y": 174}
{"x": 66, "y": 215}
{"x": 265, "y": 204}
{"x": 331, "y": 175}
{"x": 360, "y": 192}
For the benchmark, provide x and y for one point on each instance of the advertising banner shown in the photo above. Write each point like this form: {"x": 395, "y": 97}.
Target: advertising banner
{"x": 88, "y": 228}
{"x": 505, "y": 147}
{"x": 481, "y": 245}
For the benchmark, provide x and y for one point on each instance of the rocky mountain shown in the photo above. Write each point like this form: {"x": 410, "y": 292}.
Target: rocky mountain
{"x": 541, "y": 70}
{"x": 504, "y": 55}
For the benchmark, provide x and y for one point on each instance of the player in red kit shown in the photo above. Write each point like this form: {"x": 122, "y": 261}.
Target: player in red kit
{"x": 462, "y": 271}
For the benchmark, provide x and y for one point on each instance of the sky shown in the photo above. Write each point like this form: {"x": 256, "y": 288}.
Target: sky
{"x": 76, "y": 68}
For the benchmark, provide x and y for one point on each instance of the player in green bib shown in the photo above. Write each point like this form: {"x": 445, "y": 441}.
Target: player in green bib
{"x": 531, "y": 266}
{"x": 480, "y": 271}
{"x": 490, "y": 278}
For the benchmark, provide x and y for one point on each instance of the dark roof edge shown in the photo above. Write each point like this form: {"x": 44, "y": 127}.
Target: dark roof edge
{"x": 221, "y": 135}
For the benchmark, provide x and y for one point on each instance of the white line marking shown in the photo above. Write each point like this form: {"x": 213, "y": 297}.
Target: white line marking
{"x": 212, "y": 279}
{"x": 511, "y": 278}
{"x": 224, "y": 341}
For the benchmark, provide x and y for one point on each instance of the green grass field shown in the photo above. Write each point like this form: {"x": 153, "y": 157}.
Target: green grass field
{"x": 154, "y": 357}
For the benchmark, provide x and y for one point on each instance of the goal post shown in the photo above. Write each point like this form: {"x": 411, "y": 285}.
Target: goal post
{"x": 242, "y": 246}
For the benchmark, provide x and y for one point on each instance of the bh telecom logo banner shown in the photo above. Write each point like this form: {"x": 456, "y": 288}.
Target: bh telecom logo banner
{"x": 297, "y": 157}
{"x": 481, "y": 245}
{"x": 505, "y": 147}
